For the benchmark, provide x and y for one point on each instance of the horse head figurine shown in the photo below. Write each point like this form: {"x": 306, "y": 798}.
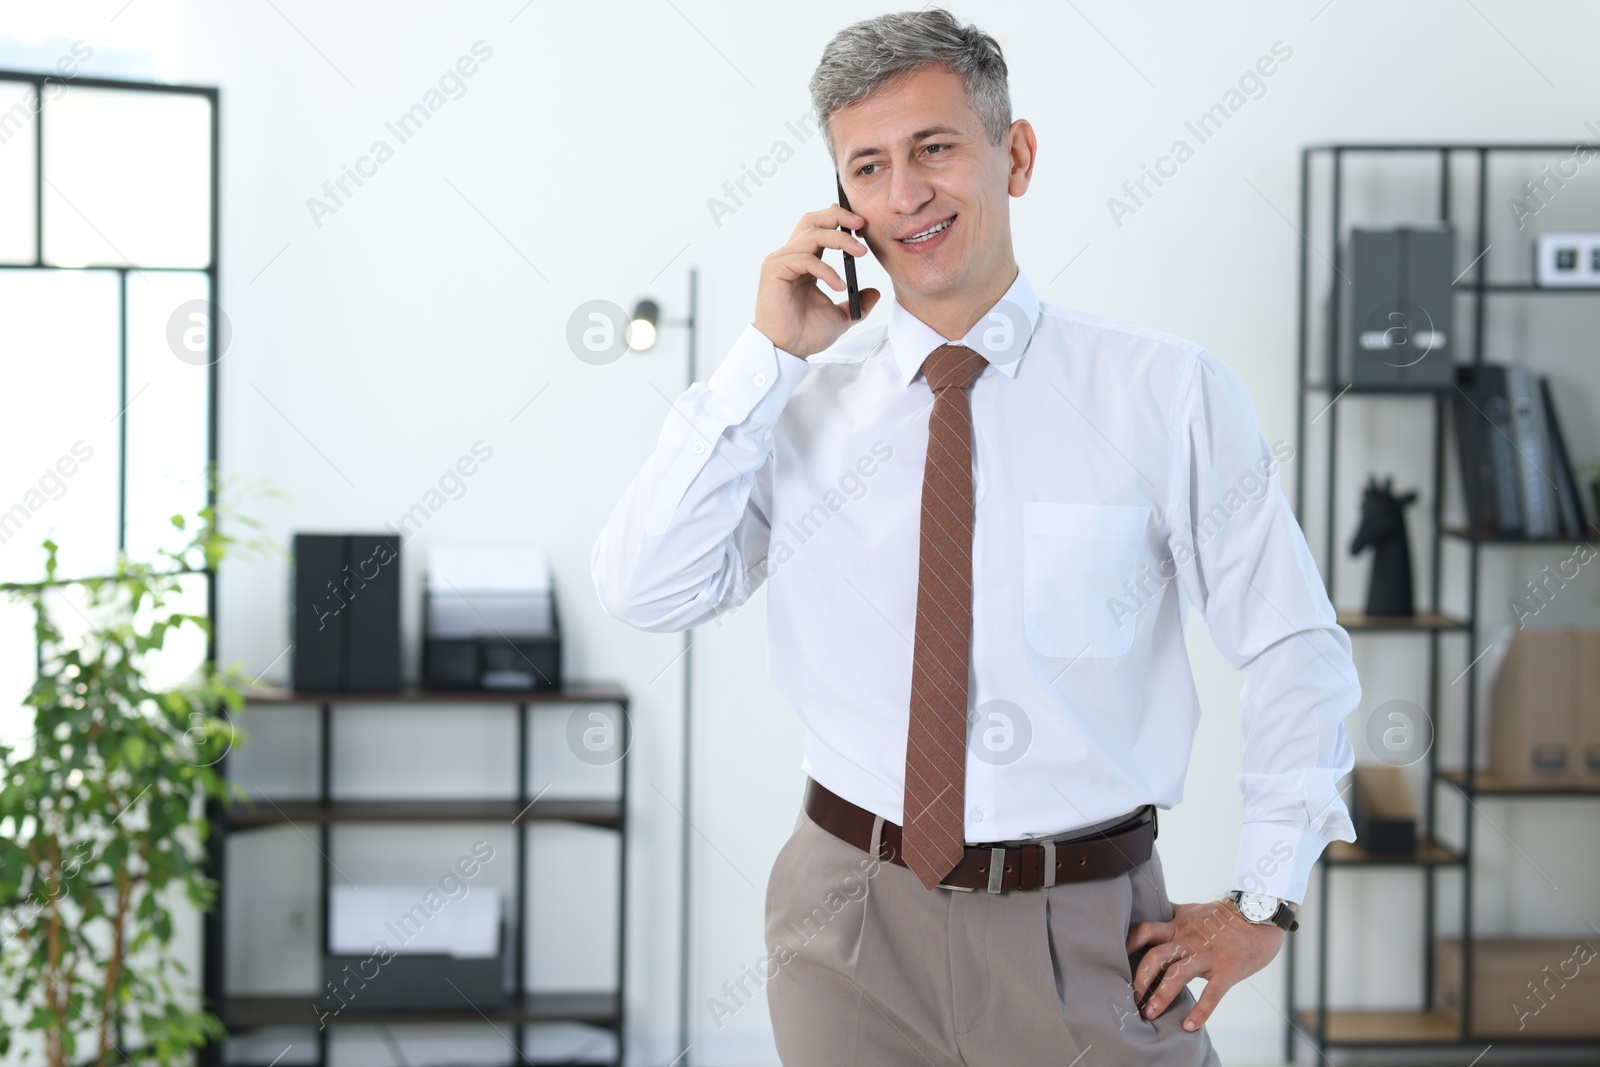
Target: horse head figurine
{"x": 1383, "y": 529}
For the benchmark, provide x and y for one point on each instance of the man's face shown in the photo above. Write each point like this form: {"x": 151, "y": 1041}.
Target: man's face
{"x": 913, "y": 156}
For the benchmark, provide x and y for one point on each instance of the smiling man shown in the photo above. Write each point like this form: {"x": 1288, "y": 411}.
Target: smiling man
{"x": 986, "y": 647}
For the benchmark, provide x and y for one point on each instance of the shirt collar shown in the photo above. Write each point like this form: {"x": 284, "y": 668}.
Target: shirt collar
{"x": 912, "y": 340}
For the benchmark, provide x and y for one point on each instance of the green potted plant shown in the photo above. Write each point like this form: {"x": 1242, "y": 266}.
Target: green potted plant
{"x": 103, "y": 820}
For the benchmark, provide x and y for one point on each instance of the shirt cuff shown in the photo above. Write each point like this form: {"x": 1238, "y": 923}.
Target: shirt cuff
{"x": 1276, "y": 858}
{"x": 755, "y": 379}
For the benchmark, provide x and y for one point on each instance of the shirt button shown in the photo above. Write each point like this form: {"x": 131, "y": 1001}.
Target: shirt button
{"x": 699, "y": 448}
{"x": 977, "y": 815}
{"x": 760, "y": 379}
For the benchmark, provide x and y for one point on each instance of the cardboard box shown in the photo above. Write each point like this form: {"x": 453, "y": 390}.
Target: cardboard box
{"x": 1527, "y": 988}
{"x": 1533, "y": 710}
{"x": 1382, "y": 809}
{"x": 1588, "y": 753}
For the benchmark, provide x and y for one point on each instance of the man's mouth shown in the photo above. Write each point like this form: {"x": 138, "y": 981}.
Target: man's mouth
{"x": 923, "y": 236}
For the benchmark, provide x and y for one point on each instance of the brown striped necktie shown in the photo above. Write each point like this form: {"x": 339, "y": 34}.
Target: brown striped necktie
{"x": 936, "y": 745}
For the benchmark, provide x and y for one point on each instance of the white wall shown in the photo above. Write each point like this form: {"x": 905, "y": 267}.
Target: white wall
{"x": 406, "y": 327}
{"x": 429, "y": 313}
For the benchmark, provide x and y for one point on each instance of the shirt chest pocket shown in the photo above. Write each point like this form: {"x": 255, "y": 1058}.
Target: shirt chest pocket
{"x": 1075, "y": 559}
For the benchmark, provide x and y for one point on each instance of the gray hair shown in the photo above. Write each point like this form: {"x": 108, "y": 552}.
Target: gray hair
{"x": 862, "y": 58}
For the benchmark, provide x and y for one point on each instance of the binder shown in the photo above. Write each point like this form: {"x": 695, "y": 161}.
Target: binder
{"x": 1541, "y": 517}
{"x": 345, "y": 612}
{"x": 373, "y": 632}
{"x": 1401, "y": 309}
{"x": 1483, "y": 438}
{"x": 319, "y": 634}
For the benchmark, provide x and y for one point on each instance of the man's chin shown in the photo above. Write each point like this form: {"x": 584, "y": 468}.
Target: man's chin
{"x": 923, "y": 282}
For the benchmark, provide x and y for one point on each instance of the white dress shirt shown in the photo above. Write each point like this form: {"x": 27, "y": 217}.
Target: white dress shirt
{"x": 1120, "y": 476}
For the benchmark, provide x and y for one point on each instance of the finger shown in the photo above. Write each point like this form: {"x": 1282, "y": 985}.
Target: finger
{"x": 796, "y": 264}
{"x": 867, "y": 303}
{"x": 1159, "y": 958}
{"x": 829, "y": 218}
{"x": 1207, "y": 1004}
{"x": 1177, "y": 976}
{"x": 813, "y": 241}
{"x": 1141, "y": 997}
{"x": 1148, "y": 933}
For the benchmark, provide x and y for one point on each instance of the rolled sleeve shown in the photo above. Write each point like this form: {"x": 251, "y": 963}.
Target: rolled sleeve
{"x": 1243, "y": 561}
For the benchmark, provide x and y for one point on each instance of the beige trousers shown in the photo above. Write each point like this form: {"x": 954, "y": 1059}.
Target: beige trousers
{"x": 871, "y": 969}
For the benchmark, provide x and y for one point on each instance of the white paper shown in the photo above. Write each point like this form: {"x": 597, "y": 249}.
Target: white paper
{"x": 400, "y": 917}
{"x": 468, "y": 568}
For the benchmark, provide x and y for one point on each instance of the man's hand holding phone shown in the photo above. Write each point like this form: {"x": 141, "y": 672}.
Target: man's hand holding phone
{"x": 795, "y": 315}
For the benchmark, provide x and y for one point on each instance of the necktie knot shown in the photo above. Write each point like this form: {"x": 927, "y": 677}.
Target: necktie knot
{"x": 952, "y": 366}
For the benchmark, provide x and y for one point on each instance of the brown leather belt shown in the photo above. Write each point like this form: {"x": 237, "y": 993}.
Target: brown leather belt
{"x": 1113, "y": 851}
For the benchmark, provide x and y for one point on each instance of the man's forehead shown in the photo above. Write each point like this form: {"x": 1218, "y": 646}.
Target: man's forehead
{"x": 925, "y": 103}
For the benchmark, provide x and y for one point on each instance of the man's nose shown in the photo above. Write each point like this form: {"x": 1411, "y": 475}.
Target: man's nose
{"x": 909, "y": 190}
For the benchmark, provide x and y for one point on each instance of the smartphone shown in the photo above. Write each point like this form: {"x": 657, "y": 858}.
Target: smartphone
{"x": 849, "y": 260}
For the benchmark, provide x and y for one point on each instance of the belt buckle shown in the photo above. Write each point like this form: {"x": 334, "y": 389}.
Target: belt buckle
{"x": 997, "y": 861}
{"x": 956, "y": 888}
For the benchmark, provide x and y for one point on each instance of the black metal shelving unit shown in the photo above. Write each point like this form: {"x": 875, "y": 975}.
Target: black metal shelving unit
{"x": 1423, "y": 1026}
{"x": 605, "y": 1009}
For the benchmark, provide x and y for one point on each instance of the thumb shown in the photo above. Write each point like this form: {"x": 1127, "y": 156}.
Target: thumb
{"x": 869, "y": 300}
{"x": 1209, "y": 997}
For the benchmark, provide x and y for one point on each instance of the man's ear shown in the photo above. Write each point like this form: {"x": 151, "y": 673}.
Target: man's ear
{"x": 1023, "y": 149}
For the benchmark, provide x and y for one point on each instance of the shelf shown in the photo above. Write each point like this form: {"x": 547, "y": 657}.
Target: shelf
{"x": 599, "y": 812}
{"x": 1423, "y": 621}
{"x": 1415, "y": 1027}
{"x": 1469, "y": 149}
{"x": 595, "y": 1009}
{"x": 1465, "y": 534}
{"x": 1428, "y": 854}
{"x": 1527, "y": 287}
{"x": 582, "y": 692}
{"x": 1319, "y": 386}
{"x": 1324, "y": 339}
{"x": 1487, "y": 783}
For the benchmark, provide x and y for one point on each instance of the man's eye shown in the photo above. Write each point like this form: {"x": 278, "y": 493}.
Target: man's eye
{"x": 863, "y": 171}
{"x": 932, "y": 147}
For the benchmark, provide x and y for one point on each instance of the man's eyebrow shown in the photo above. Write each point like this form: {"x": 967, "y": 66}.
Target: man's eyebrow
{"x": 931, "y": 131}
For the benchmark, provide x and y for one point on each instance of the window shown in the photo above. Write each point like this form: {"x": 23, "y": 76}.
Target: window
{"x": 107, "y": 369}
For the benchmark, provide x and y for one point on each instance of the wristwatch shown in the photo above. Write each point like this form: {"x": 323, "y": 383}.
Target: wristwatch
{"x": 1261, "y": 908}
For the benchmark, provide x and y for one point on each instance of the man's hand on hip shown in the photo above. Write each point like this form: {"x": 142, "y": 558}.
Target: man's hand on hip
{"x": 1211, "y": 941}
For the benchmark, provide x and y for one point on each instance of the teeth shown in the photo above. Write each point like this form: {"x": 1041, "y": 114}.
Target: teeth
{"x": 925, "y": 234}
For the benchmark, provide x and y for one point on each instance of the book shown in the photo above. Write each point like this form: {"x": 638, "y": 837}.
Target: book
{"x": 1574, "y": 517}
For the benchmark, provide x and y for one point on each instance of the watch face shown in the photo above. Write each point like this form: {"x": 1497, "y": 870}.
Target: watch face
{"x": 1258, "y": 907}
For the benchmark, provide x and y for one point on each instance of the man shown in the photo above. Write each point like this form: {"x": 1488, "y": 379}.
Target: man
{"x": 981, "y": 525}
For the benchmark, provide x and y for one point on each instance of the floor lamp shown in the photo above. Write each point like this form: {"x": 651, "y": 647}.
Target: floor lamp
{"x": 648, "y": 312}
